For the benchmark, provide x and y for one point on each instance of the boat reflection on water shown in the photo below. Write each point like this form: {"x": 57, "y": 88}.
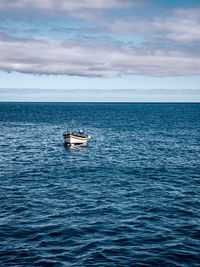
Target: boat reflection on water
{"x": 73, "y": 146}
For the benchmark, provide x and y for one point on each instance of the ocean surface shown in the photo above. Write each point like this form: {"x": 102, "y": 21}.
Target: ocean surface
{"x": 130, "y": 198}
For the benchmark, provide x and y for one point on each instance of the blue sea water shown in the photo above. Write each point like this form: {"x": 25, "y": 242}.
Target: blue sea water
{"x": 130, "y": 198}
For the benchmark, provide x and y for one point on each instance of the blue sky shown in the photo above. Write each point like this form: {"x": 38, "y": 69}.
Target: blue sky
{"x": 100, "y": 44}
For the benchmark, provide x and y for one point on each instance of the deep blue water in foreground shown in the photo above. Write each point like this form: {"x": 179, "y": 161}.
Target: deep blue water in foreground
{"x": 130, "y": 198}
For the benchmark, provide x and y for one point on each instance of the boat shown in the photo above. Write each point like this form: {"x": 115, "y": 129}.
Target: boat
{"x": 73, "y": 137}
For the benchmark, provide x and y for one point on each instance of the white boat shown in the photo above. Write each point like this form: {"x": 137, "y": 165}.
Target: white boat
{"x": 75, "y": 137}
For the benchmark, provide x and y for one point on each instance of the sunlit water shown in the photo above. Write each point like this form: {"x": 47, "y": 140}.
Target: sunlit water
{"x": 130, "y": 198}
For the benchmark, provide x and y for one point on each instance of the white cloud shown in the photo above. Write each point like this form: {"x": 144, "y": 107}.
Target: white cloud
{"x": 91, "y": 59}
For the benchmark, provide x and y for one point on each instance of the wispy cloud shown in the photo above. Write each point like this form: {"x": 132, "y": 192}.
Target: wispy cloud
{"x": 100, "y": 91}
{"x": 65, "y": 5}
{"x": 81, "y": 9}
{"x": 181, "y": 25}
{"x": 105, "y": 95}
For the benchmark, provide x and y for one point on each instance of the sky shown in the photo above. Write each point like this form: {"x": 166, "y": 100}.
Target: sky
{"x": 100, "y": 50}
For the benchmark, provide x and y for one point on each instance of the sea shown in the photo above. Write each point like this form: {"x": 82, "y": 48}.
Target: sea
{"x": 129, "y": 198}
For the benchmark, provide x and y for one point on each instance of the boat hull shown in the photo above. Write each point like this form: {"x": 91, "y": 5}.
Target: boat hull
{"x": 75, "y": 140}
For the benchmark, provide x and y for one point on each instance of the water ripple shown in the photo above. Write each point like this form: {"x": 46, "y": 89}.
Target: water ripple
{"x": 130, "y": 198}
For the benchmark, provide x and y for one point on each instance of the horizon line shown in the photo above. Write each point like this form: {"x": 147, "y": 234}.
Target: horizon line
{"x": 107, "y": 102}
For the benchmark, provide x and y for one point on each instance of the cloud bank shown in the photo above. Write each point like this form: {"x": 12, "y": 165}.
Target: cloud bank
{"x": 89, "y": 58}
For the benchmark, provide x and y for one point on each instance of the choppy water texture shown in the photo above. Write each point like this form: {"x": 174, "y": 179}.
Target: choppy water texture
{"x": 131, "y": 198}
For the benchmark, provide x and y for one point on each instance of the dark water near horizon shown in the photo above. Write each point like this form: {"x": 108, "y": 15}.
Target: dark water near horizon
{"x": 130, "y": 198}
